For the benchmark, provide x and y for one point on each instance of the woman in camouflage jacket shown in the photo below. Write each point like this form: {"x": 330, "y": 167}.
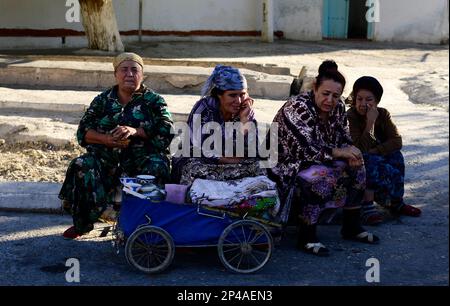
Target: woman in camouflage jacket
{"x": 126, "y": 131}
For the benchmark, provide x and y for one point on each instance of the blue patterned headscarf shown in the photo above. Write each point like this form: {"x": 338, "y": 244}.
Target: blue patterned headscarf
{"x": 224, "y": 78}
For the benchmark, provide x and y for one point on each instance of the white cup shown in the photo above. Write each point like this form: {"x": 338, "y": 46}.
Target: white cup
{"x": 145, "y": 179}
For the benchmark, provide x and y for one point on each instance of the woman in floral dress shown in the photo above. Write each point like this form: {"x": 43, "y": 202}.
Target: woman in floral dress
{"x": 318, "y": 167}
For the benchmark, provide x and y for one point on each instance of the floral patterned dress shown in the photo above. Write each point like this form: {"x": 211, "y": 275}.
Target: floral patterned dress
{"x": 306, "y": 173}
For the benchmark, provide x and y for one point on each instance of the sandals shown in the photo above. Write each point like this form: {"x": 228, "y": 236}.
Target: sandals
{"x": 364, "y": 237}
{"x": 315, "y": 248}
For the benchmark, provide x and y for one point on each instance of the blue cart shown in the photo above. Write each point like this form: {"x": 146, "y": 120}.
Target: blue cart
{"x": 151, "y": 230}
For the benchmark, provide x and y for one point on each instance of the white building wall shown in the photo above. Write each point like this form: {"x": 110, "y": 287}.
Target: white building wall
{"x": 413, "y": 21}
{"x": 299, "y": 19}
{"x": 35, "y": 14}
{"x": 213, "y": 15}
{"x": 158, "y": 15}
{"x": 400, "y": 20}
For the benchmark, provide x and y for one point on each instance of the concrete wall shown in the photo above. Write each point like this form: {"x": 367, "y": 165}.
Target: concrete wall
{"x": 413, "y": 21}
{"x": 299, "y": 19}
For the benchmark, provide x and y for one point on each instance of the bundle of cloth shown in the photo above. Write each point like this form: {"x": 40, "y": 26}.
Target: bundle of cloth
{"x": 256, "y": 196}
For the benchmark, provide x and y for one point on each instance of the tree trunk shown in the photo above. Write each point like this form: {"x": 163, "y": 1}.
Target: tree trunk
{"x": 100, "y": 26}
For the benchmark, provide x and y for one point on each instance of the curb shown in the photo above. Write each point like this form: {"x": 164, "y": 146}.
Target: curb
{"x": 30, "y": 197}
{"x": 165, "y": 80}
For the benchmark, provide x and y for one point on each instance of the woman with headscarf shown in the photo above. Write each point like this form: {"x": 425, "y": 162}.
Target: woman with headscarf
{"x": 318, "y": 167}
{"x": 126, "y": 131}
{"x": 225, "y": 100}
{"x": 375, "y": 134}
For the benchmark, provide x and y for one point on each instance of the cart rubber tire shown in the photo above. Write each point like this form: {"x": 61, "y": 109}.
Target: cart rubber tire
{"x": 150, "y": 249}
{"x": 256, "y": 245}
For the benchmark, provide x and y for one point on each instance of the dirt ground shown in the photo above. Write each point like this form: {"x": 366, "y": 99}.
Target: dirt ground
{"x": 408, "y": 72}
{"x": 37, "y": 146}
{"x": 36, "y": 161}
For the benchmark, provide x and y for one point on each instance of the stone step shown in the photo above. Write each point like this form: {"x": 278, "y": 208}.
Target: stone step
{"x": 46, "y": 74}
{"x": 84, "y": 55}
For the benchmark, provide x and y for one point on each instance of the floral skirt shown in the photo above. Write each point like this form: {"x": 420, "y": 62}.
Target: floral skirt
{"x": 321, "y": 187}
{"x": 386, "y": 176}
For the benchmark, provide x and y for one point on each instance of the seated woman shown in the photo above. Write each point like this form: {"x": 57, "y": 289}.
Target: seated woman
{"x": 316, "y": 159}
{"x": 224, "y": 100}
{"x": 374, "y": 133}
{"x": 125, "y": 130}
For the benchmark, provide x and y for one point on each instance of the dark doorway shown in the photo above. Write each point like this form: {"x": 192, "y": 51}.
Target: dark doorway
{"x": 357, "y": 23}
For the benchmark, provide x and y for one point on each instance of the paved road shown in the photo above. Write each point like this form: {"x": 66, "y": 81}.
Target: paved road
{"x": 412, "y": 252}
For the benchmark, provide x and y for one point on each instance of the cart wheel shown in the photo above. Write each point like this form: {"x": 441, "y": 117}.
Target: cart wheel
{"x": 150, "y": 249}
{"x": 245, "y": 246}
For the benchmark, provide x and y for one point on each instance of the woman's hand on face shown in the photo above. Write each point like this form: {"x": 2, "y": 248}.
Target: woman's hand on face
{"x": 372, "y": 113}
{"x": 246, "y": 111}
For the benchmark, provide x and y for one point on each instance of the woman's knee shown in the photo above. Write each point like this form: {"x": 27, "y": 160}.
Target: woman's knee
{"x": 85, "y": 161}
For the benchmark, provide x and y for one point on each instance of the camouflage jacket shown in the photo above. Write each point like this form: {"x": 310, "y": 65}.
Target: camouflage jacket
{"x": 146, "y": 109}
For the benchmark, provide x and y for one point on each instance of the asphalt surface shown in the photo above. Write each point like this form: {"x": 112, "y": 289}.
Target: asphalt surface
{"x": 413, "y": 251}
